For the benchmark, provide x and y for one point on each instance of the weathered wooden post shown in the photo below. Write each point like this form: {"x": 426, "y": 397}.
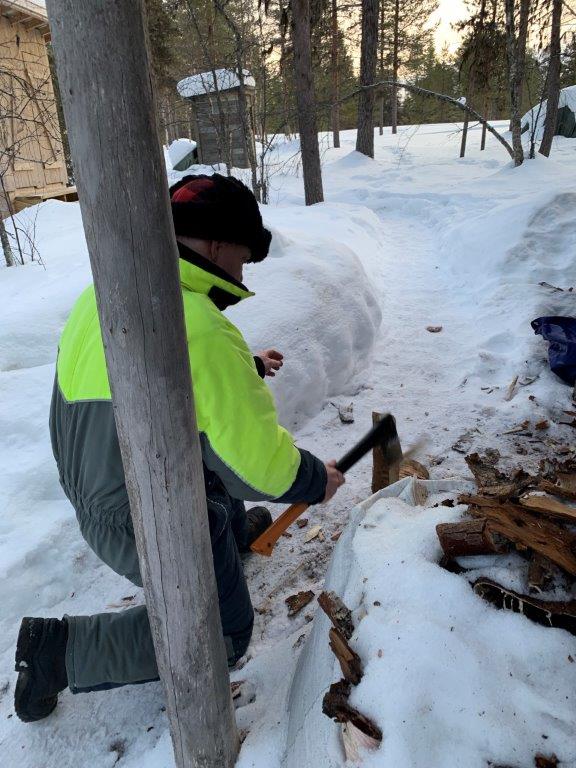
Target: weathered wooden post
{"x": 102, "y": 60}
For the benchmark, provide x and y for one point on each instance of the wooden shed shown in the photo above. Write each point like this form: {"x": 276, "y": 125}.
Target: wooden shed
{"x": 215, "y": 101}
{"x": 32, "y": 163}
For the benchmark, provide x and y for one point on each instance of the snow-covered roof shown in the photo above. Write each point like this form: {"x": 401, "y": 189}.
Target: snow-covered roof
{"x": 205, "y": 82}
{"x": 538, "y": 113}
{"x": 26, "y": 11}
{"x": 179, "y": 149}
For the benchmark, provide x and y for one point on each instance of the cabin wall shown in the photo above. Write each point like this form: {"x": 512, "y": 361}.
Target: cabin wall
{"x": 31, "y": 157}
{"x": 209, "y": 131}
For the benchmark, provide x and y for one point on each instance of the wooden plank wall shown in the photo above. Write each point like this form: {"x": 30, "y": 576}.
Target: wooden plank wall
{"x": 209, "y": 129}
{"x": 31, "y": 156}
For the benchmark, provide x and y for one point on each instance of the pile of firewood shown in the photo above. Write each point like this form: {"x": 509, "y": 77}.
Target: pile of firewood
{"x": 358, "y": 731}
{"x": 533, "y": 514}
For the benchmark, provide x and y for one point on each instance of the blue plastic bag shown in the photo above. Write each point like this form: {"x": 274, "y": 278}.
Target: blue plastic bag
{"x": 561, "y": 333}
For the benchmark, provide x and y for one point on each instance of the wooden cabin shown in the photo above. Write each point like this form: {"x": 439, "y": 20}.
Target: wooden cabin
{"x": 215, "y": 103}
{"x": 32, "y": 164}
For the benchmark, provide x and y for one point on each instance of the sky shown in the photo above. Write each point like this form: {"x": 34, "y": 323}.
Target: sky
{"x": 448, "y": 12}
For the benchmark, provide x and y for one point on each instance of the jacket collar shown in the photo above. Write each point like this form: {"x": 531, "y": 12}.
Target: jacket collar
{"x": 199, "y": 275}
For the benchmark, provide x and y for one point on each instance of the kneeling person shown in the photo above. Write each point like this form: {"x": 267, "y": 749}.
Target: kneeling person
{"x": 246, "y": 454}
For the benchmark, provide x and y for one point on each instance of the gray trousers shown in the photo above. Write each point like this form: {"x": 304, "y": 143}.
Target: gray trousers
{"x": 112, "y": 649}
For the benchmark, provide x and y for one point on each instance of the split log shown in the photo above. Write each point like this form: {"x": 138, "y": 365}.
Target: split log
{"x": 348, "y": 659}
{"x": 335, "y": 705}
{"x": 541, "y": 573}
{"x": 565, "y": 489}
{"x": 527, "y": 529}
{"x": 337, "y": 612}
{"x": 468, "y": 537}
{"x": 561, "y": 615}
{"x": 413, "y": 468}
{"x": 383, "y": 473}
{"x": 548, "y": 505}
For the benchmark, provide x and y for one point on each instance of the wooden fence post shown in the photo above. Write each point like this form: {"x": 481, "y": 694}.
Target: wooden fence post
{"x": 103, "y": 66}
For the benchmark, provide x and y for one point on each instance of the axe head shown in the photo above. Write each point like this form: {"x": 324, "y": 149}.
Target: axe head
{"x": 382, "y": 434}
{"x": 389, "y": 441}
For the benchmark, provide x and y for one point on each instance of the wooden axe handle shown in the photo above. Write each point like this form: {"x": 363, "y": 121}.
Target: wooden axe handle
{"x": 264, "y": 544}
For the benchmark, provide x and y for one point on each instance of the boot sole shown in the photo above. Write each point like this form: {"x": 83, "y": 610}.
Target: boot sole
{"x": 25, "y": 710}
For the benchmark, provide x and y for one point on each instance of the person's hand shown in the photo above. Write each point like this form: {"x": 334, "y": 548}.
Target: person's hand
{"x": 273, "y": 361}
{"x": 334, "y": 481}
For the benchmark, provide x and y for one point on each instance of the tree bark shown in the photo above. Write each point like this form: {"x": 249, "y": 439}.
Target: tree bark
{"x": 516, "y": 54}
{"x": 103, "y": 66}
{"x": 553, "y": 84}
{"x": 368, "y": 61}
{"x": 395, "y": 64}
{"x": 335, "y": 77}
{"x": 306, "y": 102}
{"x": 6, "y": 249}
{"x": 467, "y": 537}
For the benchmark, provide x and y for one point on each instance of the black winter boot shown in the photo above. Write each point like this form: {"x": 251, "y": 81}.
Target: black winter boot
{"x": 41, "y": 667}
{"x": 258, "y": 519}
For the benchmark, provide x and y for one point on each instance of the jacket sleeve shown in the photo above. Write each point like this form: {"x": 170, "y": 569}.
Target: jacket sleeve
{"x": 242, "y": 442}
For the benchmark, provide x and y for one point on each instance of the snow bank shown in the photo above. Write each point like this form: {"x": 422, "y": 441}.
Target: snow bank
{"x": 315, "y": 302}
{"x": 450, "y": 680}
{"x": 210, "y": 82}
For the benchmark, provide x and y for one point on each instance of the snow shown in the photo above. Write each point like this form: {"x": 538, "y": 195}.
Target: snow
{"x": 463, "y": 244}
{"x": 179, "y": 149}
{"x": 211, "y": 82}
{"x": 450, "y": 680}
{"x": 534, "y": 119}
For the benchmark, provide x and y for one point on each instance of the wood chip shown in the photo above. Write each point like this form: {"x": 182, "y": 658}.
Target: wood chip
{"x": 298, "y": 601}
{"x": 348, "y": 659}
{"x": 546, "y": 761}
{"x": 434, "y": 328}
{"x": 338, "y": 613}
{"x": 544, "y": 424}
{"x": 312, "y": 533}
{"x": 336, "y": 536}
{"x": 511, "y": 391}
{"x": 413, "y": 468}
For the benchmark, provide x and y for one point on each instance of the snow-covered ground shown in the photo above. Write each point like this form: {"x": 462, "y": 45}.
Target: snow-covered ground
{"x": 463, "y": 244}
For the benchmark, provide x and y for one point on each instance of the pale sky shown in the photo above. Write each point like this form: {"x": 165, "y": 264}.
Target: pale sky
{"x": 448, "y": 12}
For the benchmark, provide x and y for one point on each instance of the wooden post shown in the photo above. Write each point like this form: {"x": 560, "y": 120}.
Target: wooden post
{"x": 103, "y": 67}
{"x": 464, "y": 136}
{"x": 383, "y": 473}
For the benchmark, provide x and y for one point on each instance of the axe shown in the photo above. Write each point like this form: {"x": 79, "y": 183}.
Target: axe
{"x": 383, "y": 434}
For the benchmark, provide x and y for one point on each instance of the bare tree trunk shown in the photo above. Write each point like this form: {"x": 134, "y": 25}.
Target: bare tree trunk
{"x": 395, "y": 65}
{"x": 335, "y": 77}
{"x": 247, "y": 127}
{"x": 306, "y": 102}
{"x": 368, "y": 61}
{"x": 7, "y": 250}
{"x": 553, "y": 80}
{"x": 485, "y": 111}
{"x": 381, "y": 70}
{"x": 103, "y": 65}
{"x": 516, "y": 53}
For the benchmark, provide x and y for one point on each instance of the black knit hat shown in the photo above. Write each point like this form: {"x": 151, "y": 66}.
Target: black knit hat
{"x": 219, "y": 208}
